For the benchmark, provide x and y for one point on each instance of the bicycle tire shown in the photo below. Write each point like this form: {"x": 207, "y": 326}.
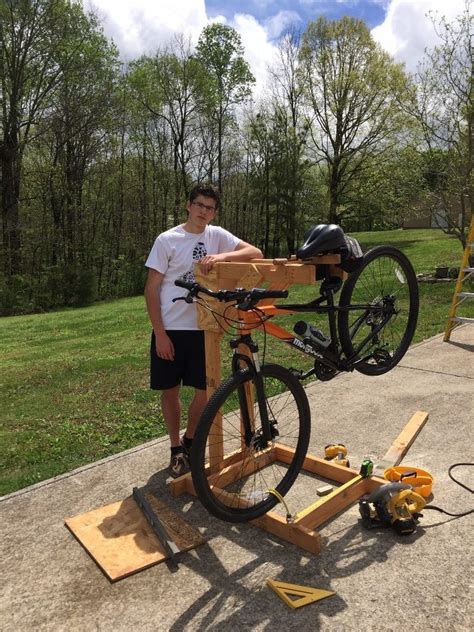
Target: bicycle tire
{"x": 386, "y": 279}
{"x": 289, "y": 408}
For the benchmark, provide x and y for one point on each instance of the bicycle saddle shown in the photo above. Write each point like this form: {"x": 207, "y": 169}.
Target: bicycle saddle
{"x": 321, "y": 238}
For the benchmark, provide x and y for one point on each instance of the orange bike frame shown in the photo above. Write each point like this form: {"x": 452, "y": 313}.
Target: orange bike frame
{"x": 247, "y": 324}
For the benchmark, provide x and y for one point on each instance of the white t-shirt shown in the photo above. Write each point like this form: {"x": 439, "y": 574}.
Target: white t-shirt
{"x": 174, "y": 254}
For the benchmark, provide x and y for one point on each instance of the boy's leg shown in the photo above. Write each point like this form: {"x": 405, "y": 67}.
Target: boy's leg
{"x": 166, "y": 375}
{"x": 195, "y": 376}
{"x": 195, "y": 411}
{"x": 171, "y": 406}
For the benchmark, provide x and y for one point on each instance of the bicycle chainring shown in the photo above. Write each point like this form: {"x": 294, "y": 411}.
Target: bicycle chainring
{"x": 323, "y": 372}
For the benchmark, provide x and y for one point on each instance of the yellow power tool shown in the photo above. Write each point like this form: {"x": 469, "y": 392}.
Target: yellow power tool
{"x": 393, "y": 504}
{"x": 336, "y": 452}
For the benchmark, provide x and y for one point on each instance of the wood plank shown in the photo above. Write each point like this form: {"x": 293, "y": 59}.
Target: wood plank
{"x": 184, "y": 484}
{"x": 402, "y": 443}
{"x": 180, "y": 485}
{"x": 241, "y": 469}
{"x": 331, "y": 258}
{"x": 270, "y": 272}
{"x": 213, "y": 379}
{"x": 373, "y": 482}
{"x": 120, "y": 540}
{"x": 301, "y": 536}
{"x": 327, "y": 507}
{"x": 315, "y": 465}
{"x": 325, "y": 499}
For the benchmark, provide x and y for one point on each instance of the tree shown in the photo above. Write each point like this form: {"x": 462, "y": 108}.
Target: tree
{"x": 382, "y": 194}
{"x": 46, "y": 47}
{"x": 80, "y": 118}
{"x": 354, "y": 90}
{"x": 229, "y": 80}
{"x": 290, "y": 132}
{"x": 167, "y": 85}
{"x": 29, "y": 32}
{"x": 445, "y": 110}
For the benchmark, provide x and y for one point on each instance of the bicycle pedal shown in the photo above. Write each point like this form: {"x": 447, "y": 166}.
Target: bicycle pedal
{"x": 301, "y": 375}
{"x": 296, "y": 372}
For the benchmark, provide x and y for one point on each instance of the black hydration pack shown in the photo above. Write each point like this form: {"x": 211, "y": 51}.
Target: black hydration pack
{"x": 351, "y": 255}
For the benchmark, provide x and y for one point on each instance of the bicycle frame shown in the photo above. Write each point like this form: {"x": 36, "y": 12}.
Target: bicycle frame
{"x": 331, "y": 356}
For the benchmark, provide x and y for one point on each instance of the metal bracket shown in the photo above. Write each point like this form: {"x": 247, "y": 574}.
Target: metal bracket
{"x": 170, "y": 547}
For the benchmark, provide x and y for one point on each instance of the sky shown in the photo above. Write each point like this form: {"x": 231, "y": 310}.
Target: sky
{"x": 139, "y": 27}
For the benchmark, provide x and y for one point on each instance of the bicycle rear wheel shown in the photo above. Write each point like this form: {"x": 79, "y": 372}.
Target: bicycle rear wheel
{"x": 234, "y": 485}
{"x": 386, "y": 282}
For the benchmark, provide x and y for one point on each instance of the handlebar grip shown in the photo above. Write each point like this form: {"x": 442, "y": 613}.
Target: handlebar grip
{"x": 276, "y": 293}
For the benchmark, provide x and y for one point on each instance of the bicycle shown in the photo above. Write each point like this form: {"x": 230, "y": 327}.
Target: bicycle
{"x": 254, "y": 432}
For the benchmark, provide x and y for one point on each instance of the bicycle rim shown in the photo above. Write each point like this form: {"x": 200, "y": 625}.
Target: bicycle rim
{"x": 387, "y": 283}
{"x": 235, "y": 485}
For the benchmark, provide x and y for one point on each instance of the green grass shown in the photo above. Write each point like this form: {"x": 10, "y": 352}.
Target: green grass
{"x": 74, "y": 383}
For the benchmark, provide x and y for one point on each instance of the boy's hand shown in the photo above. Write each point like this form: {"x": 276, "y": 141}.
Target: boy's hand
{"x": 164, "y": 346}
{"x": 208, "y": 261}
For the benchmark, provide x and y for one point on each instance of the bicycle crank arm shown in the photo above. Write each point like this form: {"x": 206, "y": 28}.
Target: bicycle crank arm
{"x": 301, "y": 375}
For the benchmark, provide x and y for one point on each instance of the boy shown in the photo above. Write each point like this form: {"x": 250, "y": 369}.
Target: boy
{"x": 177, "y": 344}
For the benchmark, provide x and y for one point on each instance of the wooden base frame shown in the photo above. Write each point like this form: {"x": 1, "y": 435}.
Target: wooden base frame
{"x": 301, "y": 531}
{"x": 281, "y": 274}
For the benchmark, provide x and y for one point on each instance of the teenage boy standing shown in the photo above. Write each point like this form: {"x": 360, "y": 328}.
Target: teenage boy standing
{"x": 177, "y": 344}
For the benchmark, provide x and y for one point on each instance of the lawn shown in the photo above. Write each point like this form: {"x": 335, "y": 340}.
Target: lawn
{"x": 74, "y": 383}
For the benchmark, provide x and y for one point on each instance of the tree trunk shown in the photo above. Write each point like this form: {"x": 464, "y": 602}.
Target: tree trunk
{"x": 10, "y": 185}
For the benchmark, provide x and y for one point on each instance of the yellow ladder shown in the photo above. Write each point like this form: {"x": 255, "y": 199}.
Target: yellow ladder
{"x": 459, "y": 295}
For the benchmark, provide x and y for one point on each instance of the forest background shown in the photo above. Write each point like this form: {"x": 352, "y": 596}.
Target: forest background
{"x": 97, "y": 156}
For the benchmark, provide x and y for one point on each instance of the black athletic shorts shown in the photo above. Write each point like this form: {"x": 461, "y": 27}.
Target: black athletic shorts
{"x": 188, "y": 366}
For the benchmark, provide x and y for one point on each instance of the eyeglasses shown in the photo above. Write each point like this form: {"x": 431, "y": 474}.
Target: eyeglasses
{"x": 205, "y": 207}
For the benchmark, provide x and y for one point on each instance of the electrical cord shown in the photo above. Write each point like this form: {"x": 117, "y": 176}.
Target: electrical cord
{"x": 233, "y": 324}
{"x": 456, "y": 515}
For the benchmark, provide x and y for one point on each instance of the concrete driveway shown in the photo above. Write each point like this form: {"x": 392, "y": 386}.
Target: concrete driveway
{"x": 382, "y": 581}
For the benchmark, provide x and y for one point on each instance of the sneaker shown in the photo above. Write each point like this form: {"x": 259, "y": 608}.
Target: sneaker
{"x": 179, "y": 464}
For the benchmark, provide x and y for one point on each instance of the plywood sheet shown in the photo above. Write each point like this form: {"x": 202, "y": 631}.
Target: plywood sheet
{"x": 121, "y": 541}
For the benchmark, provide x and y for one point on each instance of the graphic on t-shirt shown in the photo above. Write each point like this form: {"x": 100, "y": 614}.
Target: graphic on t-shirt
{"x": 199, "y": 252}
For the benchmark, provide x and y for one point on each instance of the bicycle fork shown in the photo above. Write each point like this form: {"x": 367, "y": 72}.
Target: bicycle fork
{"x": 258, "y": 438}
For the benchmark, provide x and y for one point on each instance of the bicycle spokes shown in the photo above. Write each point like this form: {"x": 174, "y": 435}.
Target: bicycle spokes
{"x": 385, "y": 289}
{"x": 251, "y": 467}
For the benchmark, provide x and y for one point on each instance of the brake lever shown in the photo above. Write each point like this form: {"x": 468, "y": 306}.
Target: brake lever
{"x": 188, "y": 298}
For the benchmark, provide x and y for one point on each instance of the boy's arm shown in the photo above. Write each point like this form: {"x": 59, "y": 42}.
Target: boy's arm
{"x": 164, "y": 346}
{"x": 242, "y": 252}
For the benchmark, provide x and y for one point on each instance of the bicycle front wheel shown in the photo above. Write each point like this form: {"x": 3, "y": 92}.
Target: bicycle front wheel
{"x": 379, "y": 334}
{"x": 233, "y": 474}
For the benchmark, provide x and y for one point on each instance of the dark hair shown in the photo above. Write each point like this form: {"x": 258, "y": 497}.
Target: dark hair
{"x": 206, "y": 190}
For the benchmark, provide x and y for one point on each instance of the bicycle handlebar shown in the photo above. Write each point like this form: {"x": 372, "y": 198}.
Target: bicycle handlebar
{"x": 247, "y": 298}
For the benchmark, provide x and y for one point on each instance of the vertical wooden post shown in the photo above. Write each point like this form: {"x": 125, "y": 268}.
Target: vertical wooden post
{"x": 213, "y": 379}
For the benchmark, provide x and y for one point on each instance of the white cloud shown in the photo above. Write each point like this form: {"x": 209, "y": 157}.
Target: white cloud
{"x": 277, "y": 24}
{"x": 408, "y": 30}
{"x": 259, "y": 51}
{"x": 141, "y": 26}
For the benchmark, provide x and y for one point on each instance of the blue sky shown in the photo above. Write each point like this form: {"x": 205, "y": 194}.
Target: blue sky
{"x": 371, "y": 11}
{"x": 140, "y": 27}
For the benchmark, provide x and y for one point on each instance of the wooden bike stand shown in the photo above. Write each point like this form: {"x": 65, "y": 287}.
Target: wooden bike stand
{"x": 280, "y": 274}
